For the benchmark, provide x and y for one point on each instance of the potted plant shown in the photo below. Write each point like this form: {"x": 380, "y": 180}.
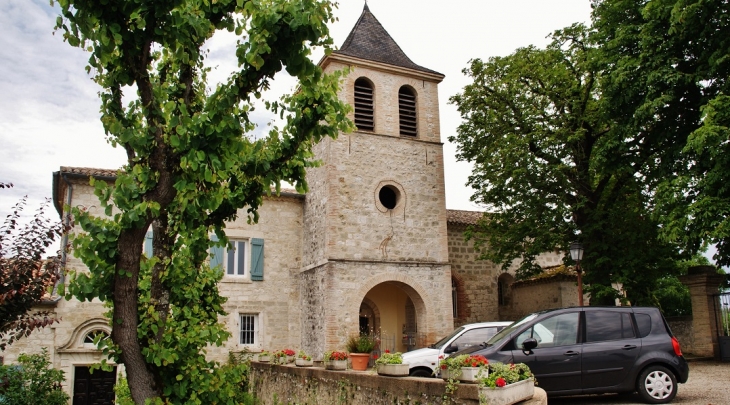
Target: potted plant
{"x": 335, "y": 360}
{"x": 303, "y": 359}
{"x": 284, "y": 356}
{"x": 465, "y": 368}
{"x": 506, "y": 384}
{"x": 360, "y": 347}
{"x": 474, "y": 367}
{"x": 391, "y": 364}
{"x": 264, "y": 356}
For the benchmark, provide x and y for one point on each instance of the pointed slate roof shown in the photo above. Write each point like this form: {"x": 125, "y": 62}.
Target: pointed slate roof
{"x": 369, "y": 40}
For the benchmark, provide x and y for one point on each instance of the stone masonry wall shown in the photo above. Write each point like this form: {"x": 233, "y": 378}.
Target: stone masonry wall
{"x": 275, "y": 300}
{"x": 344, "y": 286}
{"x": 477, "y": 279}
{"x": 277, "y": 384}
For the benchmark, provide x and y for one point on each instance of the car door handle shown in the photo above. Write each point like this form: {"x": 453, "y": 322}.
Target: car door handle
{"x": 571, "y": 353}
{"x": 629, "y": 347}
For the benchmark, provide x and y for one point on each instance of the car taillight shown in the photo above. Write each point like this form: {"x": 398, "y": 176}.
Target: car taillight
{"x": 675, "y": 345}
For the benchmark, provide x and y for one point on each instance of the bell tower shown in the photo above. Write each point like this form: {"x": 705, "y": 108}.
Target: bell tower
{"x": 375, "y": 216}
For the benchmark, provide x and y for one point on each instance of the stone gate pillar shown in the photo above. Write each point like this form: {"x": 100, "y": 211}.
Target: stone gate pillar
{"x": 703, "y": 283}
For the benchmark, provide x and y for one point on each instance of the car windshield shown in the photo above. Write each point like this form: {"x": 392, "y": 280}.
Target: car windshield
{"x": 506, "y": 331}
{"x": 443, "y": 341}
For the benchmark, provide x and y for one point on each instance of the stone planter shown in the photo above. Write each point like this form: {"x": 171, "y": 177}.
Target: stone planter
{"x": 509, "y": 394}
{"x": 393, "y": 370}
{"x": 359, "y": 361}
{"x": 470, "y": 374}
{"x": 304, "y": 363}
{"x": 289, "y": 359}
{"x": 264, "y": 359}
{"x": 336, "y": 365}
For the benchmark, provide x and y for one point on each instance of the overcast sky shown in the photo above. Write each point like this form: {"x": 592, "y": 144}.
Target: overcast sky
{"x": 49, "y": 110}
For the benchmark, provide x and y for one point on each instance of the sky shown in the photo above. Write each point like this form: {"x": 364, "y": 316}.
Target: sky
{"x": 49, "y": 107}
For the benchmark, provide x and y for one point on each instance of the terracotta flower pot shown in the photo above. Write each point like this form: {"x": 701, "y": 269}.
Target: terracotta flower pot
{"x": 360, "y": 361}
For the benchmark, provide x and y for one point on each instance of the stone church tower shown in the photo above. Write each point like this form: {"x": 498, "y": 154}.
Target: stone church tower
{"x": 375, "y": 250}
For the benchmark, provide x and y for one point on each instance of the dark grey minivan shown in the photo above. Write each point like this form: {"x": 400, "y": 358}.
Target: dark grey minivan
{"x": 589, "y": 350}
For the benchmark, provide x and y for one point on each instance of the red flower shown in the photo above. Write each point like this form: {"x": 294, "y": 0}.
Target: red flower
{"x": 443, "y": 367}
{"x": 500, "y": 382}
{"x": 387, "y": 351}
{"x": 375, "y": 356}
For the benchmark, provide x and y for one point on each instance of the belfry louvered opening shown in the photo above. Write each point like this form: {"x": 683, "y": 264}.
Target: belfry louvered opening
{"x": 407, "y": 111}
{"x": 364, "y": 113}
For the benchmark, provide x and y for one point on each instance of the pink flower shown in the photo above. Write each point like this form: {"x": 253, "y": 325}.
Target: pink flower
{"x": 500, "y": 382}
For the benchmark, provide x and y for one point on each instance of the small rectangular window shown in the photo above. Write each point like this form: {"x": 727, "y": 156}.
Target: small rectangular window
{"x": 249, "y": 329}
{"x": 235, "y": 263}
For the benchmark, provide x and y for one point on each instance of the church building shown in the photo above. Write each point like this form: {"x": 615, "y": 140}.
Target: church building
{"x": 370, "y": 248}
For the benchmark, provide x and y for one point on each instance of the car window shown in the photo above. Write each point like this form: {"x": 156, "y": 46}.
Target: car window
{"x": 558, "y": 330}
{"x": 443, "y": 341}
{"x": 474, "y": 337}
{"x": 509, "y": 329}
{"x": 608, "y": 325}
{"x": 643, "y": 322}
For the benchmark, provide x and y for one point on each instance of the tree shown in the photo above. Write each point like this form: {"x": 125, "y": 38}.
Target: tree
{"x": 25, "y": 277}
{"x": 666, "y": 77}
{"x": 551, "y": 167}
{"x": 193, "y": 162}
{"x": 33, "y": 381}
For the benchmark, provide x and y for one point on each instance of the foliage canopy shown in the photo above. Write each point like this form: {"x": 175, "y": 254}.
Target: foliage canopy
{"x": 192, "y": 163}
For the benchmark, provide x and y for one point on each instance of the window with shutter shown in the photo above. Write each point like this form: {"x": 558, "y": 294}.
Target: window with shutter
{"x": 407, "y": 111}
{"x": 364, "y": 109}
{"x": 231, "y": 259}
{"x": 257, "y": 259}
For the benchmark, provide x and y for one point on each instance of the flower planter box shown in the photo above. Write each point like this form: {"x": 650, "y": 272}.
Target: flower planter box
{"x": 393, "y": 370}
{"x": 264, "y": 359}
{"x": 336, "y": 365}
{"x": 289, "y": 359}
{"x": 509, "y": 394}
{"x": 304, "y": 363}
{"x": 470, "y": 374}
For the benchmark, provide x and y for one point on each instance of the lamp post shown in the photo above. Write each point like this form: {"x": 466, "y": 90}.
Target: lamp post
{"x": 576, "y": 253}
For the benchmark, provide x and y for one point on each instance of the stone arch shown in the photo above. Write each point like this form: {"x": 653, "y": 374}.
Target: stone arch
{"x": 462, "y": 301}
{"x": 504, "y": 289}
{"x": 408, "y": 284}
{"x": 374, "y": 311}
{"x": 76, "y": 341}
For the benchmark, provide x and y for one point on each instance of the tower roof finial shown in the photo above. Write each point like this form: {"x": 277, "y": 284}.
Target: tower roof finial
{"x": 366, "y": 6}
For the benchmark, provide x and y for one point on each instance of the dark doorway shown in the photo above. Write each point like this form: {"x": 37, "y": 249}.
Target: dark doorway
{"x": 364, "y": 325}
{"x": 94, "y": 389}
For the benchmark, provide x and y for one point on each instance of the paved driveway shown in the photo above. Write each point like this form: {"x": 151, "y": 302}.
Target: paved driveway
{"x": 708, "y": 384}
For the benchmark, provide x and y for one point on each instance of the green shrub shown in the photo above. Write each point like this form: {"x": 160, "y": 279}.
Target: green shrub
{"x": 32, "y": 382}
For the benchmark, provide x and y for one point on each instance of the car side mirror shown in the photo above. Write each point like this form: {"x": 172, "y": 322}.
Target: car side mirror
{"x": 528, "y": 345}
{"x": 450, "y": 349}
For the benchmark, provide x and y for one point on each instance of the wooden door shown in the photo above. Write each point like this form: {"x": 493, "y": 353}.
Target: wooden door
{"x": 94, "y": 389}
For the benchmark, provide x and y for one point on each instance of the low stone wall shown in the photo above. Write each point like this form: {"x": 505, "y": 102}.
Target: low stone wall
{"x": 276, "y": 385}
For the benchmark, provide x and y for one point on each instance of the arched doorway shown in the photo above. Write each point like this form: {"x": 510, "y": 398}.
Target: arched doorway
{"x": 392, "y": 310}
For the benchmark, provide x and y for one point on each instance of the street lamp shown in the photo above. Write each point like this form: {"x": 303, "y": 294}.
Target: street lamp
{"x": 576, "y": 253}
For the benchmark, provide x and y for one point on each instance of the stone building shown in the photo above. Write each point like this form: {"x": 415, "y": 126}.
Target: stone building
{"x": 371, "y": 246}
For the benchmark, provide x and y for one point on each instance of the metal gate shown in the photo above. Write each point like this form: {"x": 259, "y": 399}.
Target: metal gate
{"x": 722, "y": 317}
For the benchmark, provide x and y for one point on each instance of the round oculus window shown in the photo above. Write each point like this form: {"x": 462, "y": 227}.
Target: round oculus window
{"x": 388, "y": 196}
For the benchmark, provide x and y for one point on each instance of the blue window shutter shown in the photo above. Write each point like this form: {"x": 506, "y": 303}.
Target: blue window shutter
{"x": 257, "y": 259}
{"x": 216, "y": 257}
{"x": 147, "y": 249}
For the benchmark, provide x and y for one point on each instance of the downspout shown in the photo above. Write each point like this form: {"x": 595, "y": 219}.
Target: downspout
{"x": 64, "y": 239}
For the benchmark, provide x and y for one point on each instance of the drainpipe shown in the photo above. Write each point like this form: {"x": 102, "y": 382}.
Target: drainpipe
{"x": 64, "y": 239}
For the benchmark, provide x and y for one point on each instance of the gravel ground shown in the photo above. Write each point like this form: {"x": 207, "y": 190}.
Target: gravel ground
{"x": 708, "y": 384}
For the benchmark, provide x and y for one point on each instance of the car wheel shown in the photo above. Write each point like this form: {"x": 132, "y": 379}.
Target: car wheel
{"x": 421, "y": 372}
{"x": 657, "y": 385}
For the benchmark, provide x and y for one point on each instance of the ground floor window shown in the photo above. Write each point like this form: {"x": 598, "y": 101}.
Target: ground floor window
{"x": 249, "y": 329}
